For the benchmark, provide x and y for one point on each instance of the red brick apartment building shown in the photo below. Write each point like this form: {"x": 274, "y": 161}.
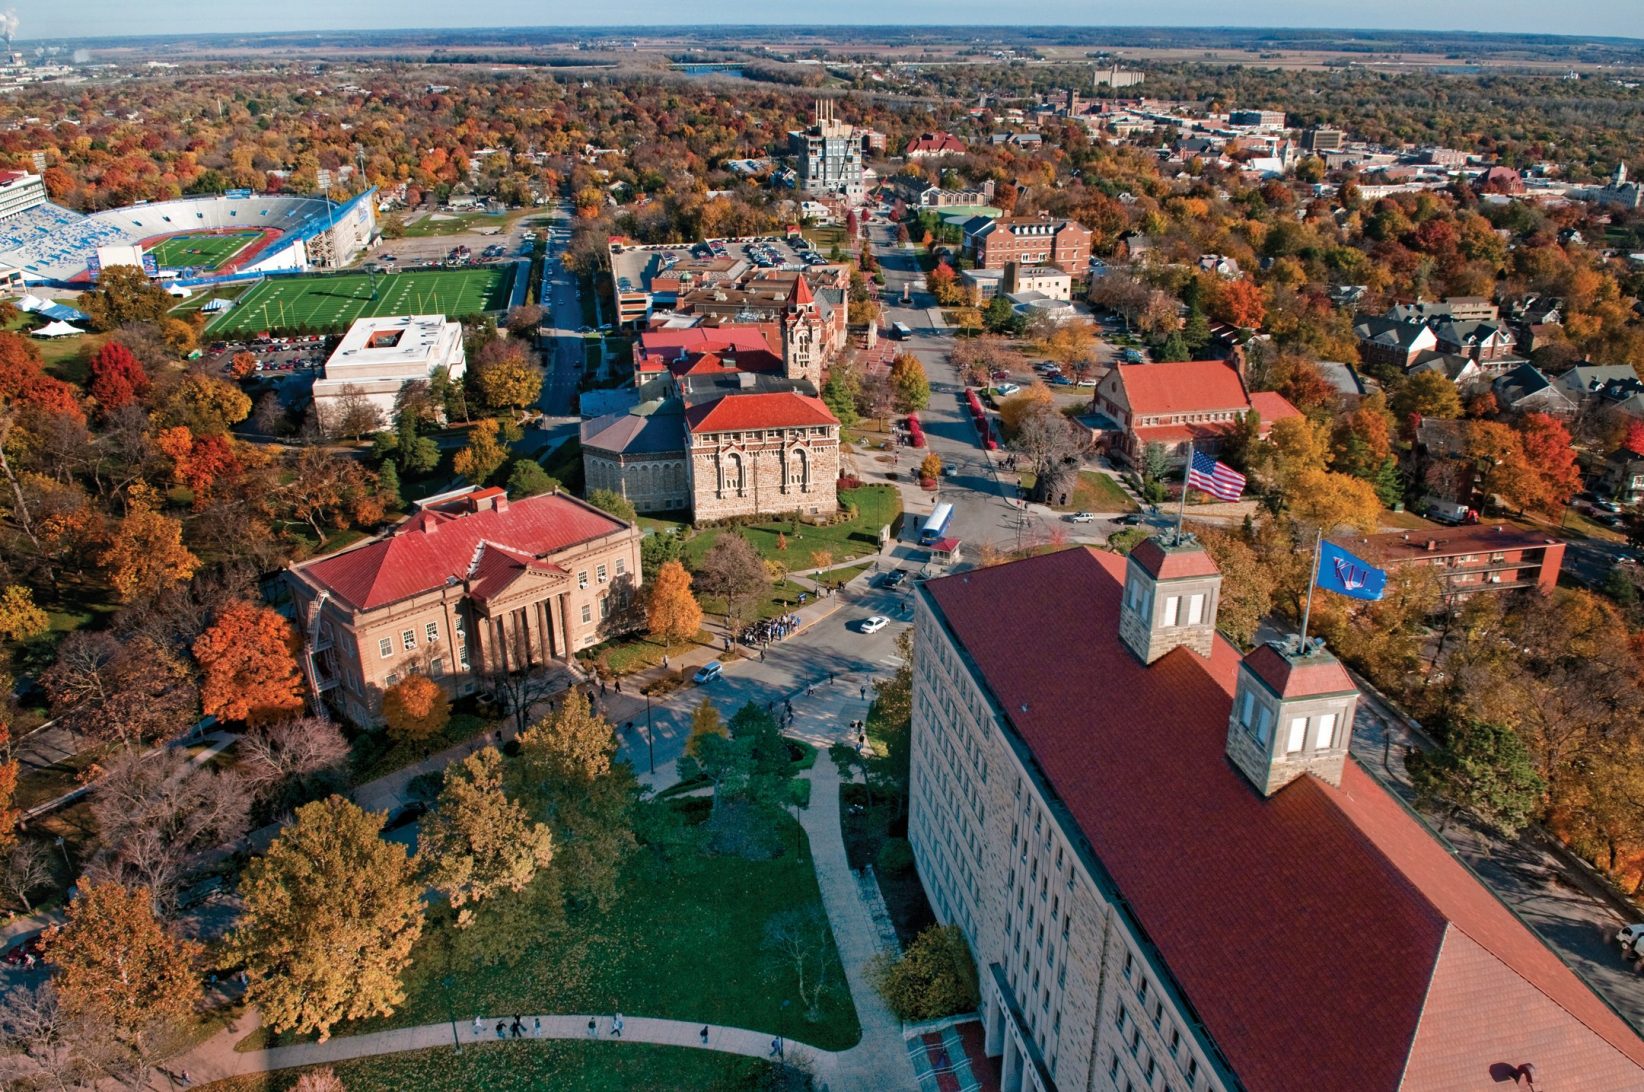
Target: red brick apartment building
{"x": 1475, "y": 559}
{"x": 1036, "y": 240}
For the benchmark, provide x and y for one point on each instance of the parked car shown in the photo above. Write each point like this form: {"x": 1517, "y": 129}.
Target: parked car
{"x": 874, "y": 624}
{"x": 708, "y": 672}
{"x": 1133, "y": 356}
{"x": 1134, "y": 519}
{"x": 1081, "y": 517}
{"x": 892, "y": 578}
{"x": 1005, "y": 390}
{"x": 1628, "y": 936}
{"x": 26, "y": 953}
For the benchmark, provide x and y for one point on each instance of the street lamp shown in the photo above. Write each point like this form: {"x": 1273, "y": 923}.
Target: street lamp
{"x": 650, "y": 734}
{"x": 451, "y": 1013}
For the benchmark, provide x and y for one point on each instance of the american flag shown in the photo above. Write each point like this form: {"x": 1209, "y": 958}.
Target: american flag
{"x": 1218, "y": 479}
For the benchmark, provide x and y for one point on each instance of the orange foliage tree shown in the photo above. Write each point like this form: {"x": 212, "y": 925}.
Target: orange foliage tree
{"x": 198, "y": 461}
{"x": 415, "y": 707}
{"x": 22, "y": 381}
{"x": 248, "y": 661}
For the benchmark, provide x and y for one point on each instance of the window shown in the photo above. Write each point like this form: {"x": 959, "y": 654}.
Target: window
{"x": 1195, "y": 609}
{"x": 408, "y": 638}
{"x": 1298, "y": 735}
{"x": 1248, "y": 709}
{"x": 582, "y": 579}
{"x": 1134, "y": 594}
{"x": 604, "y": 606}
{"x": 385, "y": 648}
{"x": 1264, "y": 725}
{"x": 431, "y": 631}
{"x": 621, "y": 565}
{"x": 599, "y": 572}
{"x": 1124, "y": 1018}
{"x": 1172, "y": 606}
{"x": 1325, "y": 734}
{"x": 392, "y": 678}
{"x": 587, "y": 613}
{"x": 437, "y": 668}
{"x": 1192, "y": 1071}
{"x": 462, "y": 656}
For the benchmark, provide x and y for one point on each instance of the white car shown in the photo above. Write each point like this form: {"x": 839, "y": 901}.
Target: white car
{"x": 874, "y": 624}
{"x": 1627, "y": 937}
{"x": 1005, "y": 390}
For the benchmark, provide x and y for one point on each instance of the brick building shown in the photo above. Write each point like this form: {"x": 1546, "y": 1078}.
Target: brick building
{"x": 471, "y": 584}
{"x": 729, "y": 423}
{"x": 1474, "y": 559}
{"x": 1171, "y": 873}
{"x": 1197, "y": 401}
{"x": 1035, "y": 240}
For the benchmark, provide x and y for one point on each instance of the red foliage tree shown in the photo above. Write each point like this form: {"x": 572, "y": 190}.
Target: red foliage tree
{"x": 1635, "y": 438}
{"x": 22, "y": 381}
{"x": 117, "y": 377}
{"x": 1550, "y": 455}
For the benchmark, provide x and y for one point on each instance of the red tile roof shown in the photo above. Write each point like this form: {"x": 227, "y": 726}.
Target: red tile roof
{"x": 437, "y": 546}
{"x": 1272, "y": 406}
{"x": 801, "y": 295}
{"x": 1193, "y": 386}
{"x": 1171, "y": 564}
{"x": 657, "y": 347}
{"x": 777, "y": 409}
{"x": 1406, "y": 545}
{"x": 1324, "y": 675}
{"x": 1305, "y": 929}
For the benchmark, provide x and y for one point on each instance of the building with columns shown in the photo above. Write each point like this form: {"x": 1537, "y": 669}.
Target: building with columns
{"x": 1173, "y": 875}
{"x": 471, "y": 585}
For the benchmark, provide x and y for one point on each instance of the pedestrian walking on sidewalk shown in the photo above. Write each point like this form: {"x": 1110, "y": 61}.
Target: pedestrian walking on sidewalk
{"x": 502, "y": 1029}
{"x": 516, "y": 1029}
{"x": 619, "y": 686}
{"x": 616, "y": 1026}
{"x": 536, "y": 1027}
{"x": 593, "y": 1028}
{"x": 776, "y": 1047}
{"x": 477, "y": 1027}
{"x": 761, "y": 655}
{"x": 703, "y": 1034}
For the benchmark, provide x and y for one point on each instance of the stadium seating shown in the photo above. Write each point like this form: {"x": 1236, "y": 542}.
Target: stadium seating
{"x": 52, "y": 245}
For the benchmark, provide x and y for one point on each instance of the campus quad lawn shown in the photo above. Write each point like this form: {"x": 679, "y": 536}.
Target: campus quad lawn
{"x": 201, "y": 251}
{"x": 332, "y": 302}
{"x": 876, "y": 506}
{"x": 683, "y": 941}
{"x": 1095, "y": 492}
{"x": 565, "y": 1065}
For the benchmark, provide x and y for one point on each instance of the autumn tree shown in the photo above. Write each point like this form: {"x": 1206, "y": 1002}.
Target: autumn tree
{"x": 1018, "y": 407}
{"x": 24, "y": 383}
{"x": 288, "y": 759}
{"x": 1483, "y": 769}
{"x": 204, "y": 404}
{"x": 1552, "y": 459}
{"x": 124, "y": 296}
{"x": 248, "y": 660}
{"x": 732, "y": 571}
{"x": 613, "y": 503}
{"x": 126, "y": 691}
{"x": 705, "y": 722}
{"x": 324, "y": 1079}
{"x": 331, "y": 913}
{"x": 117, "y": 377}
{"x": 416, "y": 707}
{"x": 569, "y": 780}
{"x": 1425, "y": 394}
{"x": 1504, "y": 471}
{"x": 20, "y": 619}
{"x": 935, "y": 977}
{"x": 672, "y": 613}
{"x": 505, "y": 375}
{"x": 484, "y": 454}
{"x": 477, "y": 842}
{"x": 198, "y": 461}
{"x": 116, "y": 962}
{"x": 145, "y": 554}
{"x": 909, "y": 381}
{"x": 242, "y": 365}
{"x": 930, "y": 467}
{"x": 10, "y": 815}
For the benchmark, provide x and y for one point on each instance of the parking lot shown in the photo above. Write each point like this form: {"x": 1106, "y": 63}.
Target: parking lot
{"x": 275, "y": 356}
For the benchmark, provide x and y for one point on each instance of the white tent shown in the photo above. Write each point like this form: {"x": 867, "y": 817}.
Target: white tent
{"x": 218, "y": 304}
{"x": 56, "y": 329}
{"x": 30, "y": 302}
{"x": 179, "y": 291}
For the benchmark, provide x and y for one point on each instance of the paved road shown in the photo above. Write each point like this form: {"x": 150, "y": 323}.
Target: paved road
{"x": 563, "y": 356}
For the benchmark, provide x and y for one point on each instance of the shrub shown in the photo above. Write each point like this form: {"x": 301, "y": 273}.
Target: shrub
{"x": 935, "y": 977}
{"x": 895, "y": 857}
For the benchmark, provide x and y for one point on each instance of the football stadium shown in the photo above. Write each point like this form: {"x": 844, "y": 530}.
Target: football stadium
{"x": 190, "y": 240}
{"x": 331, "y": 302}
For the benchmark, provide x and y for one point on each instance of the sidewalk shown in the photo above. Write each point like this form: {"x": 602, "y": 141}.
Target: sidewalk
{"x": 216, "y": 1059}
{"x": 880, "y": 1060}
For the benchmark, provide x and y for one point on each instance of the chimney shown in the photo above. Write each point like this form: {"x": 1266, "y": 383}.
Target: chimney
{"x": 1432, "y": 544}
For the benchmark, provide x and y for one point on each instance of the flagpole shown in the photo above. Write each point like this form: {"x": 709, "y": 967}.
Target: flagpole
{"x": 1312, "y": 580}
{"x": 1187, "y": 471}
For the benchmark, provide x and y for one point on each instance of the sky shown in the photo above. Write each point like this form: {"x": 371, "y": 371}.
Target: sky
{"x": 97, "y": 18}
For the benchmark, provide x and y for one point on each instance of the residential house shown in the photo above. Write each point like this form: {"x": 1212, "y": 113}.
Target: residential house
{"x": 1392, "y": 341}
{"x": 1439, "y": 463}
{"x": 934, "y": 145}
{"x": 1485, "y": 342}
{"x": 1197, "y": 402}
{"x": 1526, "y": 390}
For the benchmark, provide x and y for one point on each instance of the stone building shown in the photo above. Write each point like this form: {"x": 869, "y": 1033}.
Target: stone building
{"x": 1031, "y": 240}
{"x": 1173, "y": 875}
{"x": 470, "y": 585}
{"x": 378, "y": 357}
{"x": 727, "y": 424}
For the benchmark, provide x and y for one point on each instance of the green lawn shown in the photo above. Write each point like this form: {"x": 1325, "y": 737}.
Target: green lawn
{"x": 332, "y": 302}
{"x": 876, "y": 506}
{"x": 684, "y": 940}
{"x": 449, "y": 223}
{"x": 1096, "y": 492}
{"x": 570, "y": 1065}
{"x": 625, "y": 655}
{"x": 201, "y": 250}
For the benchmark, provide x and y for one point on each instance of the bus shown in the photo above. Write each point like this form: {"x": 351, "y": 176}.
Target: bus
{"x": 901, "y": 330}
{"x": 936, "y": 525}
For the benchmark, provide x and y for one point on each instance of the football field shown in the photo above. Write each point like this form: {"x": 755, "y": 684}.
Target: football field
{"x": 207, "y": 251}
{"x": 331, "y": 303}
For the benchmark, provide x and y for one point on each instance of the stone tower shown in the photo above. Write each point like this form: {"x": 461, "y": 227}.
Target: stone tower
{"x": 1292, "y": 715}
{"x": 802, "y": 336}
{"x": 1172, "y": 590}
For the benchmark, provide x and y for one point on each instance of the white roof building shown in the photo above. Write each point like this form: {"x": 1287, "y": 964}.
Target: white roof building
{"x": 379, "y": 356}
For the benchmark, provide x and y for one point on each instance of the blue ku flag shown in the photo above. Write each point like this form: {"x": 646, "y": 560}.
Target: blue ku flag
{"x": 1344, "y": 574}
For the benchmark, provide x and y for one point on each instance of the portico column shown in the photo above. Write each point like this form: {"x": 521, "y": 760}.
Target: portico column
{"x": 565, "y": 626}
{"x": 545, "y": 630}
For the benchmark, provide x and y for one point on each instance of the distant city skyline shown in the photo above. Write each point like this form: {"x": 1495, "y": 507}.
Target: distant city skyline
{"x": 102, "y": 18}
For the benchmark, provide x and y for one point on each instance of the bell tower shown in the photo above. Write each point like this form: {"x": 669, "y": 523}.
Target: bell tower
{"x": 1172, "y": 590}
{"x": 801, "y": 336}
{"x": 1292, "y": 715}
